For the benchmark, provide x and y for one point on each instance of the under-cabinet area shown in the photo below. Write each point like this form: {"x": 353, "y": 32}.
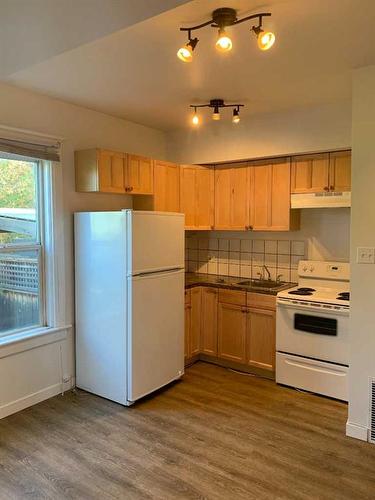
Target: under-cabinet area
{"x": 230, "y": 327}
{"x": 250, "y": 195}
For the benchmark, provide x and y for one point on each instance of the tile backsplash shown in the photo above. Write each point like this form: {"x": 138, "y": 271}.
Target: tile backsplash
{"x": 244, "y": 257}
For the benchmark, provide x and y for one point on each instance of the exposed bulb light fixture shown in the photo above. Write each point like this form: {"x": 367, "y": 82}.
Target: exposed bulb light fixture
{"x": 236, "y": 115}
{"x": 185, "y": 53}
{"x": 195, "y": 119}
{"x": 224, "y": 43}
{"x": 265, "y": 38}
{"x": 216, "y": 114}
{"x": 221, "y": 19}
{"x": 216, "y": 105}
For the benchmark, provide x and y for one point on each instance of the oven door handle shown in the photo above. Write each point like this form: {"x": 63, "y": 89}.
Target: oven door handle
{"x": 313, "y": 309}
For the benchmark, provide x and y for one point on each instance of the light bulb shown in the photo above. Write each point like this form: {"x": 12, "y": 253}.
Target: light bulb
{"x": 236, "y": 116}
{"x": 185, "y": 53}
{"x": 265, "y": 40}
{"x": 224, "y": 43}
{"x": 195, "y": 119}
{"x": 216, "y": 114}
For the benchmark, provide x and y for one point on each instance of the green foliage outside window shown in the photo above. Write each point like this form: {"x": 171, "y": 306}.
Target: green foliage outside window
{"x": 17, "y": 184}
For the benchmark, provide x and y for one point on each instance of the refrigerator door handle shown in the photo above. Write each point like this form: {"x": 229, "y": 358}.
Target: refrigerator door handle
{"x": 157, "y": 271}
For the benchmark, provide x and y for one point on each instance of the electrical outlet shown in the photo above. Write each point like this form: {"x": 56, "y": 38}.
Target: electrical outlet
{"x": 366, "y": 255}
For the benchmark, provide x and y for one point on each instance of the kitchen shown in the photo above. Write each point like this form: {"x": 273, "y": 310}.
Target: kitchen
{"x": 266, "y": 201}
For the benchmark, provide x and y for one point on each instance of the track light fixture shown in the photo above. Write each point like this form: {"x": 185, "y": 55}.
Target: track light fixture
{"x": 221, "y": 19}
{"x": 216, "y": 105}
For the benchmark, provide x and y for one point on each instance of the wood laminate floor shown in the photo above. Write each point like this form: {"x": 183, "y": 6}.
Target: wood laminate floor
{"x": 216, "y": 435}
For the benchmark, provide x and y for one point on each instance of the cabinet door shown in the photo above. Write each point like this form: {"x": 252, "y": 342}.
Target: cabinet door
{"x": 232, "y": 332}
{"x": 188, "y": 195}
{"x": 111, "y": 172}
{"x": 260, "y": 197}
{"x": 195, "y": 321}
{"x": 139, "y": 175}
{"x": 209, "y": 321}
{"x": 270, "y": 196}
{"x": 205, "y": 198}
{"x": 166, "y": 187}
{"x": 280, "y": 215}
{"x": 223, "y": 196}
{"x": 187, "y": 331}
{"x": 340, "y": 171}
{"x": 232, "y": 197}
{"x": 260, "y": 339}
{"x": 240, "y": 197}
{"x": 310, "y": 173}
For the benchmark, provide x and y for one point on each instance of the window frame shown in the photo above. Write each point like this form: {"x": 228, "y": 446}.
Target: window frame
{"x": 51, "y": 263}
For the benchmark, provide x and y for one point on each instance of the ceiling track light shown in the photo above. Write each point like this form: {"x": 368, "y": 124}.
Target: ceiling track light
{"x": 216, "y": 105}
{"x": 221, "y": 19}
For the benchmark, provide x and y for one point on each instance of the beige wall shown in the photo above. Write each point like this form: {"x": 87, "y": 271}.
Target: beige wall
{"x": 362, "y": 329}
{"x": 318, "y": 129}
{"x": 80, "y": 128}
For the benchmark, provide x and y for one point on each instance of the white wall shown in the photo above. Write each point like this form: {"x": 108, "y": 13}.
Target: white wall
{"x": 311, "y": 130}
{"x": 362, "y": 362}
{"x": 80, "y": 128}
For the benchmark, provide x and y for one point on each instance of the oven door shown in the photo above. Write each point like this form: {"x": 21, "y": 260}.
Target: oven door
{"x": 304, "y": 331}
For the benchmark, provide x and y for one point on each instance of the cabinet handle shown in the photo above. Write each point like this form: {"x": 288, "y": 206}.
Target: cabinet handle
{"x": 251, "y": 228}
{"x": 331, "y": 188}
{"x": 244, "y": 311}
{"x": 212, "y": 227}
{"x": 131, "y": 189}
{"x": 326, "y": 188}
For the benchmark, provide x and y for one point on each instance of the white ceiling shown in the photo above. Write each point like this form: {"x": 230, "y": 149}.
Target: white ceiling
{"x": 135, "y": 74}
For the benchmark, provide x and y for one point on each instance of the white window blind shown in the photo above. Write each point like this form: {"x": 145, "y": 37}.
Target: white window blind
{"x": 19, "y": 149}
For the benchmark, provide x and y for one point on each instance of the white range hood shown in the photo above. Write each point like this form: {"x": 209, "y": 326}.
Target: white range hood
{"x": 321, "y": 200}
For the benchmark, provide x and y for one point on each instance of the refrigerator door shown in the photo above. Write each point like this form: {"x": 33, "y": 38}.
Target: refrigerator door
{"x": 155, "y": 331}
{"x": 157, "y": 241}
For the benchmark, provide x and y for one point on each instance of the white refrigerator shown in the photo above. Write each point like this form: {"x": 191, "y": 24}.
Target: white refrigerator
{"x": 129, "y": 277}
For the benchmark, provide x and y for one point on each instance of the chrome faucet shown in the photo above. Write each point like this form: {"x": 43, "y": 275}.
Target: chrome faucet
{"x": 261, "y": 275}
{"x": 267, "y": 271}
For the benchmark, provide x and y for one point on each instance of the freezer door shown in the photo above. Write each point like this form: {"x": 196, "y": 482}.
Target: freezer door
{"x": 157, "y": 241}
{"x": 155, "y": 331}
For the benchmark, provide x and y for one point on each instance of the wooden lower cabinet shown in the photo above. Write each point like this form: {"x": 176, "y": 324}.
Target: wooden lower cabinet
{"x": 233, "y": 326}
{"x": 260, "y": 338}
{"x": 232, "y": 332}
{"x": 209, "y": 304}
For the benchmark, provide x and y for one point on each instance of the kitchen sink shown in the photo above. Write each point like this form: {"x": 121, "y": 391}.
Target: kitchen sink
{"x": 269, "y": 284}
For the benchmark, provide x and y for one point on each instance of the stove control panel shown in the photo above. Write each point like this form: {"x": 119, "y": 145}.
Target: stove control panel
{"x": 324, "y": 270}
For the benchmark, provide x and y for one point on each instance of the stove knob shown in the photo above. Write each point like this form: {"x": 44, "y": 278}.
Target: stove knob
{"x": 304, "y": 269}
{"x": 312, "y": 269}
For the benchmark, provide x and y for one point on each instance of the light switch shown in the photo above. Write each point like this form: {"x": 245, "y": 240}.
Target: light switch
{"x": 366, "y": 255}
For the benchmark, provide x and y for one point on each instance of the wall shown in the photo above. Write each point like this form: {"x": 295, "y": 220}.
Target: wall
{"x": 80, "y": 128}
{"x": 362, "y": 321}
{"x": 312, "y": 130}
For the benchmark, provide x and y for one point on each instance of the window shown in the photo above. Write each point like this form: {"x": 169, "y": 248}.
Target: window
{"x": 22, "y": 298}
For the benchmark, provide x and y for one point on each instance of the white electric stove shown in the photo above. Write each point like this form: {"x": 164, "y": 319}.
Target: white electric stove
{"x": 312, "y": 330}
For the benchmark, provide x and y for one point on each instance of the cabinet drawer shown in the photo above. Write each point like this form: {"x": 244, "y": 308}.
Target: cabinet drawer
{"x": 261, "y": 300}
{"x": 235, "y": 297}
{"x": 187, "y": 297}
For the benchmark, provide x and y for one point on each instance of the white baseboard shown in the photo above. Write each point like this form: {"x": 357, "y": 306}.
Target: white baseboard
{"x": 32, "y": 399}
{"x": 356, "y": 431}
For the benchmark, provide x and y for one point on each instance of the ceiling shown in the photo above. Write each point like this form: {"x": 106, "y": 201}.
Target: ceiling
{"x": 134, "y": 73}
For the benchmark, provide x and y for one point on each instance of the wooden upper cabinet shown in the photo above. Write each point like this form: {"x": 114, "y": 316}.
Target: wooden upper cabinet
{"x": 340, "y": 171}
{"x": 197, "y": 196}
{"x": 232, "y": 197}
{"x": 139, "y": 175}
{"x": 270, "y": 197}
{"x": 166, "y": 187}
{"x": 101, "y": 171}
{"x": 260, "y": 339}
{"x": 209, "y": 321}
{"x": 310, "y": 173}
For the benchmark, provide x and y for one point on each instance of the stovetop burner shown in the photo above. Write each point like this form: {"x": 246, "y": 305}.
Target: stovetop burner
{"x": 302, "y": 291}
{"x": 343, "y": 296}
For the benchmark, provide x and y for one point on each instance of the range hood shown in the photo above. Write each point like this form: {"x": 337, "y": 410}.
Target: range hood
{"x": 321, "y": 200}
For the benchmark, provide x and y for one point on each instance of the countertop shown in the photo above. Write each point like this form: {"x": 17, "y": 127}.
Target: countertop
{"x": 218, "y": 281}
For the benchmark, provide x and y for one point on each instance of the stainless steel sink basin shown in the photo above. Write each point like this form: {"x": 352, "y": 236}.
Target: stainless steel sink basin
{"x": 262, "y": 283}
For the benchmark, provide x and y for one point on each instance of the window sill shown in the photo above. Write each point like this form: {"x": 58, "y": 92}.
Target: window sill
{"x": 30, "y": 339}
